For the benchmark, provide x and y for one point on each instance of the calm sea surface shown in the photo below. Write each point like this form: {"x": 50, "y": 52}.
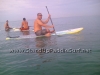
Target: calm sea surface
{"x": 24, "y": 63}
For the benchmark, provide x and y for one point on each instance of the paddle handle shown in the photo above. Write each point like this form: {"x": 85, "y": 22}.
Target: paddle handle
{"x": 50, "y": 18}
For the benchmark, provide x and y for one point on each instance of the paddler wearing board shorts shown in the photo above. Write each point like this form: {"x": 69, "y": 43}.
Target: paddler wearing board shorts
{"x": 39, "y": 24}
{"x": 24, "y": 25}
{"x": 7, "y": 27}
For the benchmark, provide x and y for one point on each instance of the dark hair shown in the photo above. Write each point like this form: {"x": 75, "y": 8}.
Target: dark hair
{"x": 7, "y": 21}
{"x": 24, "y": 19}
{"x": 38, "y": 14}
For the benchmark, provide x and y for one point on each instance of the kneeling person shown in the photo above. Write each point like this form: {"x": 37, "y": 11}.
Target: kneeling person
{"x": 7, "y": 28}
{"x": 38, "y": 24}
{"x": 24, "y": 25}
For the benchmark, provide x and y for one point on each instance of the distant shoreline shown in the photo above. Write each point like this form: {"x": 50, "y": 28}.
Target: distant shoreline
{"x": 54, "y": 18}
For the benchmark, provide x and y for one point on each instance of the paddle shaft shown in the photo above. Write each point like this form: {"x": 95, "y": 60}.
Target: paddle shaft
{"x": 50, "y": 19}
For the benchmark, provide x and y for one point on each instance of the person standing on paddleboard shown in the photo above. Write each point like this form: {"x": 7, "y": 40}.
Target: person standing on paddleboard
{"x": 24, "y": 25}
{"x": 38, "y": 24}
{"x": 7, "y": 28}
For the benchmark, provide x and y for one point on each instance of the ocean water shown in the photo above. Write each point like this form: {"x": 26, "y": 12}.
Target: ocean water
{"x": 13, "y": 62}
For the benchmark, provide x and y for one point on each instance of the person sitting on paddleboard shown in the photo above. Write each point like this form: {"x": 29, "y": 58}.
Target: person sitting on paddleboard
{"x": 7, "y": 28}
{"x": 24, "y": 25}
{"x": 38, "y": 24}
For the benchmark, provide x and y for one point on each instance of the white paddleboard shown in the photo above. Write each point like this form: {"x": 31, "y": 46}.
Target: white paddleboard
{"x": 70, "y": 31}
{"x": 17, "y": 29}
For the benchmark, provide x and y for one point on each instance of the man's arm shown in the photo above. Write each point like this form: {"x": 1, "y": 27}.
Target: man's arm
{"x": 44, "y": 25}
{"x": 45, "y": 22}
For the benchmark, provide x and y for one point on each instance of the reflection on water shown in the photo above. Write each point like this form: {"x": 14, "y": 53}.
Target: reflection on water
{"x": 25, "y": 32}
{"x": 42, "y": 42}
{"x": 76, "y": 37}
{"x": 7, "y": 33}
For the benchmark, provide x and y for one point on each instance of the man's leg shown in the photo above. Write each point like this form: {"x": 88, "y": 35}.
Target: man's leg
{"x": 46, "y": 32}
{"x": 38, "y": 33}
{"x": 43, "y": 32}
{"x": 52, "y": 31}
{"x": 22, "y": 29}
{"x": 7, "y": 29}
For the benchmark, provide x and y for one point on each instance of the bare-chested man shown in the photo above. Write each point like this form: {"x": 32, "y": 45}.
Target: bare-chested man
{"x": 24, "y": 25}
{"x": 7, "y": 28}
{"x": 38, "y": 24}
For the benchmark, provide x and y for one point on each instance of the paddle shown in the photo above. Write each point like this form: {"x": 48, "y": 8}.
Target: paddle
{"x": 50, "y": 19}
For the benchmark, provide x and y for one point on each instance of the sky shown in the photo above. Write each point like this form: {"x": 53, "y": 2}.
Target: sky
{"x": 17, "y": 9}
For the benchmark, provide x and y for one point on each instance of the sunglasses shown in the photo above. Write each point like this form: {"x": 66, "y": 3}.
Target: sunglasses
{"x": 39, "y": 15}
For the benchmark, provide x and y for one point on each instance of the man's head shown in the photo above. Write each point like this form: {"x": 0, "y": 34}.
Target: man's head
{"x": 7, "y": 21}
{"x": 24, "y": 19}
{"x": 39, "y": 16}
